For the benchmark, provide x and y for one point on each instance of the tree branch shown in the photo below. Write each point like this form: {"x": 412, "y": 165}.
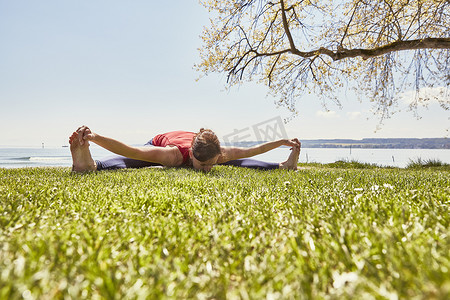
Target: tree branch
{"x": 286, "y": 26}
{"x": 427, "y": 43}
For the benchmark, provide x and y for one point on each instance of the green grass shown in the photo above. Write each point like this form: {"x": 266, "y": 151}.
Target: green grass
{"x": 427, "y": 163}
{"x": 352, "y": 164}
{"x": 355, "y": 233}
{"x": 345, "y": 164}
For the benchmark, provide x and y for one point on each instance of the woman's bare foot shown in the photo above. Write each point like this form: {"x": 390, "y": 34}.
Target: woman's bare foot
{"x": 81, "y": 156}
{"x": 292, "y": 161}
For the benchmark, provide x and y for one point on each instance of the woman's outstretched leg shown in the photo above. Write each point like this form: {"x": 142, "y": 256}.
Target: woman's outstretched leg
{"x": 81, "y": 156}
{"x": 115, "y": 162}
{"x": 121, "y": 162}
{"x": 252, "y": 164}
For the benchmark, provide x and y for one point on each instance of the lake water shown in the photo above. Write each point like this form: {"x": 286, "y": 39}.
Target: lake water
{"x": 55, "y": 157}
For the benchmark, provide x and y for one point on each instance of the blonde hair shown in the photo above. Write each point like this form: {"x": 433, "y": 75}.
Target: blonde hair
{"x": 205, "y": 145}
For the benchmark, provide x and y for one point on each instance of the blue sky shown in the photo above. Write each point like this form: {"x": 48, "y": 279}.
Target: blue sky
{"x": 125, "y": 68}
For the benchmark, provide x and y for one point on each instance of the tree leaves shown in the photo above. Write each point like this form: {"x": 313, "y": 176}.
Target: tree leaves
{"x": 379, "y": 48}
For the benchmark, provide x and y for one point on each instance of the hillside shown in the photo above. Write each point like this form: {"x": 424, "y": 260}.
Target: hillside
{"x": 394, "y": 143}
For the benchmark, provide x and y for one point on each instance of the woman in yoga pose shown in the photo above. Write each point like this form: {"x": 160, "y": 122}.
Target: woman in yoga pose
{"x": 200, "y": 150}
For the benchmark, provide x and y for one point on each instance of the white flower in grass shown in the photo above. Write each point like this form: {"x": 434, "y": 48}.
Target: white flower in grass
{"x": 273, "y": 296}
{"x": 375, "y": 188}
{"x": 209, "y": 268}
{"x": 311, "y": 245}
{"x": 357, "y": 197}
{"x": 340, "y": 280}
{"x": 388, "y": 186}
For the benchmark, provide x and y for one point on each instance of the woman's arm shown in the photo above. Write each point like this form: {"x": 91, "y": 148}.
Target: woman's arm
{"x": 232, "y": 153}
{"x": 167, "y": 156}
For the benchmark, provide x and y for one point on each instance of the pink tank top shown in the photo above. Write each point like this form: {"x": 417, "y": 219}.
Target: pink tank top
{"x": 181, "y": 139}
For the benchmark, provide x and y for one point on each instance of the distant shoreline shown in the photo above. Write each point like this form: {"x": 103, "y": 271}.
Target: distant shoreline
{"x": 370, "y": 143}
{"x": 380, "y": 143}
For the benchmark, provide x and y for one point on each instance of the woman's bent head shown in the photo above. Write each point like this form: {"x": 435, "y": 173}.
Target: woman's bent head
{"x": 205, "y": 149}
